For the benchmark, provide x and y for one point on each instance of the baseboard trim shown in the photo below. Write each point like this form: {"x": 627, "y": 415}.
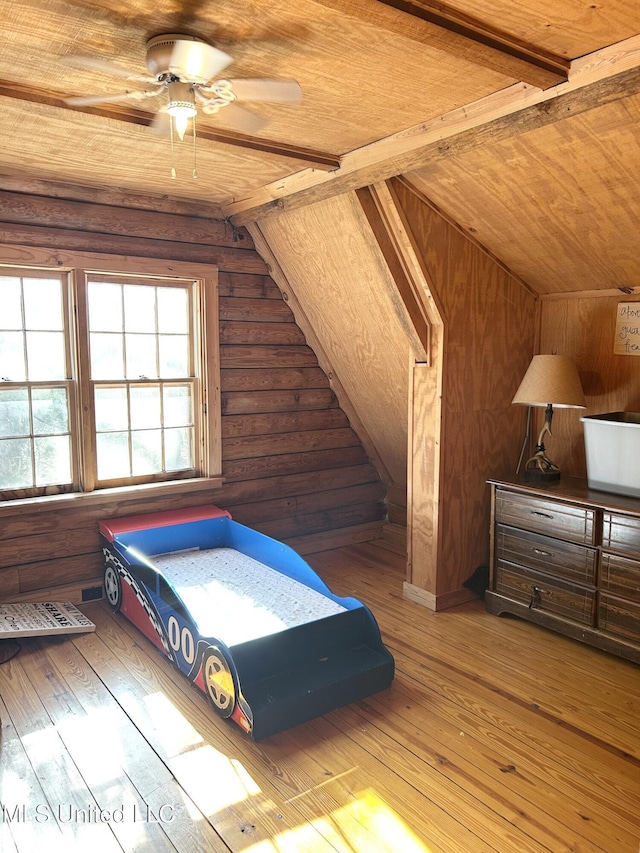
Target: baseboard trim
{"x": 444, "y": 601}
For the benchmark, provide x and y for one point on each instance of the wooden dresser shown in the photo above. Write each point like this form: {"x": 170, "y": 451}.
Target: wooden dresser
{"x": 567, "y": 557}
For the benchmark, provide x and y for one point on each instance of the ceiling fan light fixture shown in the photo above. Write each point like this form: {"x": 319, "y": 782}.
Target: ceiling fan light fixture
{"x": 185, "y": 69}
{"x": 182, "y": 105}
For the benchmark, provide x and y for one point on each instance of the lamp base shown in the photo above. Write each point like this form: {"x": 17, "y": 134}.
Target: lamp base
{"x": 540, "y": 467}
{"x": 534, "y": 474}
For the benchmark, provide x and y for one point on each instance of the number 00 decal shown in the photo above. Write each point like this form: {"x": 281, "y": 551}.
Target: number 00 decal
{"x": 181, "y": 640}
{"x": 188, "y": 646}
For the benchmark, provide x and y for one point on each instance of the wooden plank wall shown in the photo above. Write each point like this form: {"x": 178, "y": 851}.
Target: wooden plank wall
{"x": 293, "y": 466}
{"x": 489, "y": 328}
{"x": 583, "y": 326}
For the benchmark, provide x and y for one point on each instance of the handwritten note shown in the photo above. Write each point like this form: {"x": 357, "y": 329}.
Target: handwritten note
{"x": 627, "y": 340}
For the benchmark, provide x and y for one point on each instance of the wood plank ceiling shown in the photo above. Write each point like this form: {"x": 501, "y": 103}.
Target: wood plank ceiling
{"x": 469, "y": 100}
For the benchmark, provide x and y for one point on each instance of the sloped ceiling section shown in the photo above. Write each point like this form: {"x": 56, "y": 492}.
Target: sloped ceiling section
{"x": 556, "y": 204}
{"x": 331, "y": 261}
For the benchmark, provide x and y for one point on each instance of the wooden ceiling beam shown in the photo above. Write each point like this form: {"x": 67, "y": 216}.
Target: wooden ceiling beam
{"x": 602, "y": 77}
{"x": 436, "y": 25}
{"x": 32, "y": 94}
{"x": 29, "y": 183}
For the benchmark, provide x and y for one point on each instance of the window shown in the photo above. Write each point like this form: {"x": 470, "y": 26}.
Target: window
{"x": 35, "y": 417}
{"x": 107, "y": 377}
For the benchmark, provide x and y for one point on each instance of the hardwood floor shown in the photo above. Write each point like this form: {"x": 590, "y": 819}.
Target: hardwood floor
{"x": 496, "y": 735}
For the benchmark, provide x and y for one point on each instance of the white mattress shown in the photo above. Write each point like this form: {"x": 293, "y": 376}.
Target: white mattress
{"x": 236, "y": 598}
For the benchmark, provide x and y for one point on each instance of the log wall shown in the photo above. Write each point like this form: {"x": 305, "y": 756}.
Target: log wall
{"x": 293, "y": 466}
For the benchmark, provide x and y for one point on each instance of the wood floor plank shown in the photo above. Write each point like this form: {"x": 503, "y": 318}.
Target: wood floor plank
{"x": 285, "y": 779}
{"x": 495, "y": 737}
{"x": 105, "y": 745}
{"x": 595, "y": 777}
{"x": 197, "y": 747}
{"x": 22, "y": 798}
{"x": 497, "y": 821}
{"x": 364, "y": 788}
{"x": 508, "y": 785}
{"x": 478, "y": 693}
{"x": 536, "y": 670}
{"x": 55, "y": 790}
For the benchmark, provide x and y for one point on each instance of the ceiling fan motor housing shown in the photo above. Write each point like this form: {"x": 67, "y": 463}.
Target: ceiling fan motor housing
{"x": 160, "y": 50}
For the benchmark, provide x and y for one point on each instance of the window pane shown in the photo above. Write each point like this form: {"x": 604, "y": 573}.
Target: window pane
{"x": 14, "y": 412}
{"x": 174, "y": 355}
{"x": 111, "y": 408}
{"x": 139, "y": 308}
{"x": 107, "y": 360}
{"x": 178, "y": 449}
{"x": 42, "y": 303}
{"x": 53, "y": 460}
{"x": 15, "y": 464}
{"x": 141, "y": 356}
{"x": 173, "y": 303}
{"x": 145, "y": 407}
{"x": 45, "y": 355}
{"x": 113, "y": 455}
{"x": 12, "y": 364}
{"x": 177, "y": 405}
{"x": 146, "y": 450}
{"x": 10, "y": 300}
{"x": 105, "y": 307}
{"x": 50, "y": 411}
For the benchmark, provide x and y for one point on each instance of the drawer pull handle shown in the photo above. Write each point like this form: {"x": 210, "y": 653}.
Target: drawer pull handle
{"x": 542, "y": 514}
{"x": 536, "y": 593}
{"x": 543, "y": 553}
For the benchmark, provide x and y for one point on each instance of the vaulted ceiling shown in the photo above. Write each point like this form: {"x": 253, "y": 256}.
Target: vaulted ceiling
{"x": 517, "y": 118}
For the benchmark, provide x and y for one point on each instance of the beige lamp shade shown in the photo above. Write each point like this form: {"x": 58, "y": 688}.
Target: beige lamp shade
{"x": 551, "y": 379}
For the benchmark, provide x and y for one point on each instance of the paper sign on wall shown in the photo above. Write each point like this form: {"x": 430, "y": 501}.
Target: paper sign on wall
{"x": 627, "y": 339}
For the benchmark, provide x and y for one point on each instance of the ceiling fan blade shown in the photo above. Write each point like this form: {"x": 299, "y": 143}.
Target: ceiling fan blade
{"x": 95, "y": 63}
{"x": 161, "y": 124}
{"x": 88, "y": 100}
{"x": 240, "y": 118}
{"x": 197, "y": 61}
{"x": 274, "y": 91}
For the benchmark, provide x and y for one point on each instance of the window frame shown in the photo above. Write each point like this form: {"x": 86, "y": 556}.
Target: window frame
{"x": 78, "y": 267}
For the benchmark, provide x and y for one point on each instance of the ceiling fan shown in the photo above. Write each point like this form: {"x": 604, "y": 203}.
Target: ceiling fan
{"x": 185, "y": 68}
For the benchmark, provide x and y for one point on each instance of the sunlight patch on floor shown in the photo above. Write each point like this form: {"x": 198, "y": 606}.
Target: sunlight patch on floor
{"x": 220, "y": 781}
{"x": 363, "y": 824}
{"x": 383, "y": 822}
{"x": 366, "y": 825}
{"x": 173, "y": 729}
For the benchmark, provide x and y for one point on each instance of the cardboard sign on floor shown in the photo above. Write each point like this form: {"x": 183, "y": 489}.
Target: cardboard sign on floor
{"x": 34, "y": 619}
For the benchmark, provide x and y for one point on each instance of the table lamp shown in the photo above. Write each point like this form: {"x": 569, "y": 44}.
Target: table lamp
{"x": 550, "y": 380}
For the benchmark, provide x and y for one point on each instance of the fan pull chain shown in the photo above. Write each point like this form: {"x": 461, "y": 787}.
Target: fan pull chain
{"x": 195, "y": 161}
{"x": 173, "y": 161}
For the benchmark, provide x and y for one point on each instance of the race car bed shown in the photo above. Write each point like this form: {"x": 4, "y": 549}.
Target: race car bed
{"x": 243, "y": 616}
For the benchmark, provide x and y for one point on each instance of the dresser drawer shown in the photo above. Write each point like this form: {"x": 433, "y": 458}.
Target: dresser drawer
{"x": 619, "y": 617}
{"x": 541, "y": 592}
{"x": 552, "y": 556}
{"x": 620, "y": 576}
{"x": 552, "y": 518}
{"x": 621, "y": 532}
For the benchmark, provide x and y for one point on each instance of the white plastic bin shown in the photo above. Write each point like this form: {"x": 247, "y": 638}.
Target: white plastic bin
{"x": 612, "y": 444}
